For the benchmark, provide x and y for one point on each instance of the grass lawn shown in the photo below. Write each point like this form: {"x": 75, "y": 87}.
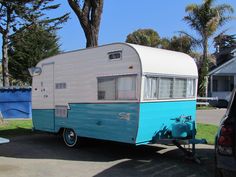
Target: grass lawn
{"x": 207, "y": 132}
{"x": 205, "y": 108}
{"x": 11, "y": 128}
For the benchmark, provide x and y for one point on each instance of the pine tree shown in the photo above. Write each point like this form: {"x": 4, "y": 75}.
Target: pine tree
{"x": 16, "y": 15}
{"x": 27, "y": 48}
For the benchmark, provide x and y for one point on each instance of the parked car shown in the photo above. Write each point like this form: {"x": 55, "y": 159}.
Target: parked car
{"x": 225, "y": 143}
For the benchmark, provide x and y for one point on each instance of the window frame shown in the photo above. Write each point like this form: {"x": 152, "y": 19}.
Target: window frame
{"x": 116, "y": 87}
{"x": 173, "y": 78}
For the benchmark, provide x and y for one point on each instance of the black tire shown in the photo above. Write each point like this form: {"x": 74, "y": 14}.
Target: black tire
{"x": 69, "y": 136}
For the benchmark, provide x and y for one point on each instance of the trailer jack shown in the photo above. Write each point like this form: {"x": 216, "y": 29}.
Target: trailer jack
{"x": 190, "y": 153}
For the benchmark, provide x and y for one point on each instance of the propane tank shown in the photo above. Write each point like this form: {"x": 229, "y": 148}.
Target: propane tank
{"x": 182, "y": 127}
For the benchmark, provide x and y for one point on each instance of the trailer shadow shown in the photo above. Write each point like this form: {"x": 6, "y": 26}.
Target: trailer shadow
{"x": 133, "y": 161}
{"x": 46, "y": 146}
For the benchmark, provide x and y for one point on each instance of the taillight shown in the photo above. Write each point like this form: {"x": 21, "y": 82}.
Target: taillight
{"x": 225, "y": 140}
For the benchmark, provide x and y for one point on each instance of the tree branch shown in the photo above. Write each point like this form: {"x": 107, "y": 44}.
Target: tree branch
{"x": 97, "y": 7}
{"x": 82, "y": 15}
{"x": 2, "y": 30}
{"x": 86, "y": 8}
{"x": 76, "y": 7}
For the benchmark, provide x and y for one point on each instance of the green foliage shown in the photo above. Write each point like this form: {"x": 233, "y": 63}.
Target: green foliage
{"x": 146, "y": 37}
{"x": 149, "y": 37}
{"x": 206, "y": 17}
{"x": 180, "y": 43}
{"x": 28, "y": 47}
{"x": 224, "y": 41}
{"x": 225, "y": 45}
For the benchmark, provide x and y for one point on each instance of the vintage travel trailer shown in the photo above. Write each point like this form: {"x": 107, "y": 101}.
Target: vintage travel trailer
{"x": 119, "y": 92}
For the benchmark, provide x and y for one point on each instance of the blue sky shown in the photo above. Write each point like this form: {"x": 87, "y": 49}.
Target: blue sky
{"x": 121, "y": 17}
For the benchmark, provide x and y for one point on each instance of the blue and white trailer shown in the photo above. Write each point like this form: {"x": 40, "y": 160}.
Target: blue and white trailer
{"x": 118, "y": 92}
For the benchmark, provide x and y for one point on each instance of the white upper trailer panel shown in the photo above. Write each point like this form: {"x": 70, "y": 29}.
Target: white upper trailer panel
{"x": 73, "y": 77}
{"x": 165, "y": 62}
{"x": 153, "y": 60}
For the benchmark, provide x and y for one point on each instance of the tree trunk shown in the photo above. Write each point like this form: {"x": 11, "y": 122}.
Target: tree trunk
{"x": 204, "y": 69}
{"x": 91, "y": 35}
{"x": 5, "y": 59}
{"x": 5, "y": 40}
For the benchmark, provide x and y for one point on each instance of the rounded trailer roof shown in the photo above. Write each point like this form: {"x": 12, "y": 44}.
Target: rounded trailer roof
{"x": 165, "y": 62}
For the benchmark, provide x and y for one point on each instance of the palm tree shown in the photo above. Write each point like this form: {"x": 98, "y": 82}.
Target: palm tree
{"x": 205, "y": 19}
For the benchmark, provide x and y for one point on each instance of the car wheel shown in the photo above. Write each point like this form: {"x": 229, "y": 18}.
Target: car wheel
{"x": 69, "y": 136}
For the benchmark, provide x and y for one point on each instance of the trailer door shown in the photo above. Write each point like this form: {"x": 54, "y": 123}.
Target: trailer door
{"x": 48, "y": 84}
{"x": 47, "y": 89}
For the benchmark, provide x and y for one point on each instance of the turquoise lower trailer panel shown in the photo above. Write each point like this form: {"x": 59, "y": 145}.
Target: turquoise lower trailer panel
{"x": 158, "y": 117}
{"x": 43, "y": 119}
{"x": 115, "y": 122}
{"x": 135, "y": 123}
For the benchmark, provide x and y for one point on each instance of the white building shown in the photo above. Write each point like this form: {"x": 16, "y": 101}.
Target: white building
{"x": 222, "y": 80}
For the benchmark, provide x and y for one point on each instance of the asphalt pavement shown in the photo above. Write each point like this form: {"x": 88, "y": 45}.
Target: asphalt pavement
{"x": 212, "y": 116}
{"x": 43, "y": 155}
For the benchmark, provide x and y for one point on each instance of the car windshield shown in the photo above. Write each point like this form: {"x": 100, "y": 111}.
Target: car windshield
{"x": 232, "y": 111}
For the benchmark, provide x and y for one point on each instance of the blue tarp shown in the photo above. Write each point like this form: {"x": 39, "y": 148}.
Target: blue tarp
{"x": 15, "y": 103}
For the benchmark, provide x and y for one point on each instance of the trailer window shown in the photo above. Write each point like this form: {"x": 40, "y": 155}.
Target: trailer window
{"x": 166, "y": 88}
{"x": 191, "y": 83}
{"x": 180, "y": 88}
{"x": 126, "y": 88}
{"x": 117, "y": 88}
{"x": 151, "y": 88}
{"x": 169, "y": 88}
{"x": 106, "y": 88}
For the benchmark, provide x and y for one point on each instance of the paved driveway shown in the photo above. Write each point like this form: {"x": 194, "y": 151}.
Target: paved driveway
{"x": 210, "y": 116}
{"x": 47, "y": 156}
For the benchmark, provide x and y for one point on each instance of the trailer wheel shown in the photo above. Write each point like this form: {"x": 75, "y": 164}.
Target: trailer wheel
{"x": 69, "y": 137}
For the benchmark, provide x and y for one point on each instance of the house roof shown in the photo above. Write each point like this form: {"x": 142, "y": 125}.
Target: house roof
{"x": 228, "y": 68}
